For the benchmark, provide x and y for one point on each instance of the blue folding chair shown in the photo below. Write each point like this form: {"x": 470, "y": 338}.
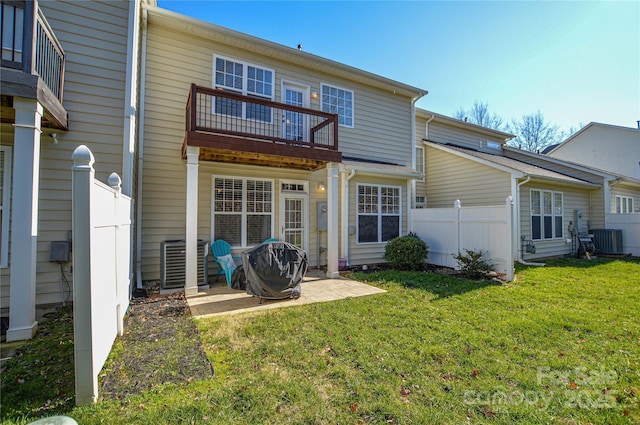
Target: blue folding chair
{"x": 221, "y": 251}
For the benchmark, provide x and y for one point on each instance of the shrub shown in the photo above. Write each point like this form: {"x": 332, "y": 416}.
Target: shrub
{"x": 471, "y": 264}
{"x": 406, "y": 252}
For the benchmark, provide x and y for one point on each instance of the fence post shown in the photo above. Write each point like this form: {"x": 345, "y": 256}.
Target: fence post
{"x": 86, "y": 382}
{"x": 116, "y": 184}
{"x": 509, "y": 238}
{"x": 456, "y": 237}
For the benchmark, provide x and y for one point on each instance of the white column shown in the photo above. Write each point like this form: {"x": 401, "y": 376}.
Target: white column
{"x": 191, "y": 265}
{"x": 24, "y": 219}
{"x": 333, "y": 243}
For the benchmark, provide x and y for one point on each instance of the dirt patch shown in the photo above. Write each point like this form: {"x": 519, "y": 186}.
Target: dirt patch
{"x": 160, "y": 345}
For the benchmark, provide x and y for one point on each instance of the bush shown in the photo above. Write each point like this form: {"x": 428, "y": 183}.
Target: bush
{"x": 406, "y": 252}
{"x": 471, "y": 264}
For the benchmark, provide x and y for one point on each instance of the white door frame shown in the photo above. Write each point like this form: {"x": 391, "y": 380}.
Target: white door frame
{"x": 304, "y": 196}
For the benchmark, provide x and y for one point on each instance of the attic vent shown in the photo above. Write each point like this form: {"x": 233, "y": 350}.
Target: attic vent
{"x": 608, "y": 241}
{"x": 172, "y": 263}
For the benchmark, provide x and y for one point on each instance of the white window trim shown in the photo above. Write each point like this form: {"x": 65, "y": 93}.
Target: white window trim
{"x": 625, "y": 203}
{"x": 6, "y": 206}
{"x": 542, "y": 214}
{"x": 243, "y": 222}
{"x": 353, "y": 103}
{"x": 420, "y": 159}
{"x": 380, "y": 215}
{"x": 245, "y": 76}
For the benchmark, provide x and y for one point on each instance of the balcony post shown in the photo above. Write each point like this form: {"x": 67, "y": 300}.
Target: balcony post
{"x": 332, "y": 221}
{"x": 191, "y": 260}
{"x": 24, "y": 219}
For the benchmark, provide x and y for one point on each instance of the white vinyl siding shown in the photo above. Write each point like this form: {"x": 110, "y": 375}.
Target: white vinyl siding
{"x": 624, "y": 205}
{"x": 379, "y": 213}
{"x": 546, "y": 214}
{"x": 5, "y": 207}
{"x": 339, "y": 101}
{"x": 243, "y": 210}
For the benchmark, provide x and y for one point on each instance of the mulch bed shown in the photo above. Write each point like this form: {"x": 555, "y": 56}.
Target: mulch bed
{"x": 160, "y": 345}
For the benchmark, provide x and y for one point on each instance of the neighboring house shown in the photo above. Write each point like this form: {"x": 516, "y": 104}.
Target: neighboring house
{"x": 68, "y": 78}
{"x": 275, "y": 143}
{"x": 471, "y": 163}
{"x": 603, "y": 146}
{"x": 610, "y": 148}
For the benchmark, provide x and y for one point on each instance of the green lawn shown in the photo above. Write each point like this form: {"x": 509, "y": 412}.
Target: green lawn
{"x": 560, "y": 345}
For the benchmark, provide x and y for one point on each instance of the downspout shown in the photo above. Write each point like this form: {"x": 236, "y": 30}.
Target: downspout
{"x": 345, "y": 217}
{"x": 143, "y": 83}
{"x": 517, "y": 224}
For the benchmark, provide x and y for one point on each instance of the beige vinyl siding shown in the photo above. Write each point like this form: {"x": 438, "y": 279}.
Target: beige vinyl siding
{"x": 442, "y": 133}
{"x": 572, "y": 199}
{"x": 382, "y": 120}
{"x": 596, "y": 208}
{"x": 6, "y": 139}
{"x": 370, "y": 253}
{"x": 451, "y": 177}
{"x": 94, "y": 38}
{"x": 605, "y": 147}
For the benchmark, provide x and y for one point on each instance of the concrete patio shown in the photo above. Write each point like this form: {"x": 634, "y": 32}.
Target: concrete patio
{"x": 221, "y": 299}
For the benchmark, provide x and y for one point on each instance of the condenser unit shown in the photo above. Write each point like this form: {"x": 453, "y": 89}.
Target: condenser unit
{"x": 172, "y": 263}
{"x": 608, "y": 241}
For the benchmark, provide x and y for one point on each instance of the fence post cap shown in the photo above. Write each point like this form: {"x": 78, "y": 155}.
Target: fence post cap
{"x": 82, "y": 157}
{"x": 114, "y": 181}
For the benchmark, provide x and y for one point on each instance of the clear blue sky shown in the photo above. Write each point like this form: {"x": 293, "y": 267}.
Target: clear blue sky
{"x": 576, "y": 62}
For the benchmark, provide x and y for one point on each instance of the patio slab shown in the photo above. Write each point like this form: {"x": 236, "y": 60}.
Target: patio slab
{"x": 221, "y": 300}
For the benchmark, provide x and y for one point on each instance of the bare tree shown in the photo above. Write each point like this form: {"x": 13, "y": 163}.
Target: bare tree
{"x": 534, "y": 133}
{"x": 479, "y": 114}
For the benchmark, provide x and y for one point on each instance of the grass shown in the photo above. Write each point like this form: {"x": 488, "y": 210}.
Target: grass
{"x": 560, "y": 345}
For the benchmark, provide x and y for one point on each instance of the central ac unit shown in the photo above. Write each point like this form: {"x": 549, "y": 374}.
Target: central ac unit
{"x": 172, "y": 263}
{"x": 608, "y": 241}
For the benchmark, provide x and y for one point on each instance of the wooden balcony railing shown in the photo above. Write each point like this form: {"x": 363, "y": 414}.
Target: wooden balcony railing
{"x": 233, "y": 121}
{"x": 29, "y": 44}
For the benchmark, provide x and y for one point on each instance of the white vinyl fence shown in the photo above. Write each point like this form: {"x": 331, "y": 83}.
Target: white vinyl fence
{"x": 452, "y": 230}
{"x": 101, "y": 260}
{"x": 630, "y": 226}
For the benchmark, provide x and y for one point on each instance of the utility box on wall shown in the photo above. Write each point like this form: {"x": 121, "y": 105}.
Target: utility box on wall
{"x": 321, "y": 216}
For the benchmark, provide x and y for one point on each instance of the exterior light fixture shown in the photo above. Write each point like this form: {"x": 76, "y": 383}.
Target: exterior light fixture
{"x": 321, "y": 187}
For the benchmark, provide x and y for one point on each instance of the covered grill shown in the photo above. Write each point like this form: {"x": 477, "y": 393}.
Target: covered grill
{"x": 274, "y": 270}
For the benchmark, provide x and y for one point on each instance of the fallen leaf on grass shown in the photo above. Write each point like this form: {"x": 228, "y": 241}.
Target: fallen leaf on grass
{"x": 354, "y": 407}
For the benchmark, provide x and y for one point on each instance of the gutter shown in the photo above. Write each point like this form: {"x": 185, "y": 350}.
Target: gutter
{"x": 143, "y": 82}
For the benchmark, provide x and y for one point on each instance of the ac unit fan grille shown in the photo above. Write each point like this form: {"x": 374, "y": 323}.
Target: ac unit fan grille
{"x": 172, "y": 264}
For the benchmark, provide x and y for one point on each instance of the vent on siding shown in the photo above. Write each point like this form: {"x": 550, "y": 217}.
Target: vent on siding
{"x": 608, "y": 241}
{"x": 172, "y": 267}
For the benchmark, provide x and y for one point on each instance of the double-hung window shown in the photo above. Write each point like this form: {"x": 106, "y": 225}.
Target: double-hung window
{"x": 247, "y": 80}
{"x": 5, "y": 207}
{"x": 242, "y": 210}
{"x": 624, "y": 205}
{"x": 336, "y": 100}
{"x": 546, "y": 214}
{"x": 379, "y": 212}
{"x": 420, "y": 162}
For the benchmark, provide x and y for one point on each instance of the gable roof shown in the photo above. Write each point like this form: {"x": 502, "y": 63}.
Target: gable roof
{"x": 586, "y": 128}
{"x": 209, "y": 31}
{"x": 454, "y": 122}
{"x": 516, "y": 168}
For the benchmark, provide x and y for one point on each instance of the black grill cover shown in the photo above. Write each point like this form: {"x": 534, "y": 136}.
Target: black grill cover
{"x": 274, "y": 270}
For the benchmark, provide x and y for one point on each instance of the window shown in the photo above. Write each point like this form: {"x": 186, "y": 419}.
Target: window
{"x": 420, "y": 162}
{"x": 546, "y": 214}
{"x": 421, "y": 201}
{"x": 242, "y": 210}
{"x": 12, "y": 18}
{"x": 338, "y": 101}
{"x": 5, "y": 207}
{"x": 247, "y": 80}
{"x": 624, "y": 205}
{"x": 378, "y": 213}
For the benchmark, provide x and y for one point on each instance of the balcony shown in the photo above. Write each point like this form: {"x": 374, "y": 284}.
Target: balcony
{"x": 32, "y": 61}
{"x": 230, "y": 127}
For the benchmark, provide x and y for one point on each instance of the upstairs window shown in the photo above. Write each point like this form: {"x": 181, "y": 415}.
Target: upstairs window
{"x": 336, "y": 100}
{"x": 546, "y": 214}
{"x": 247, "y": 80}
{"x": 420, "y": 162}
